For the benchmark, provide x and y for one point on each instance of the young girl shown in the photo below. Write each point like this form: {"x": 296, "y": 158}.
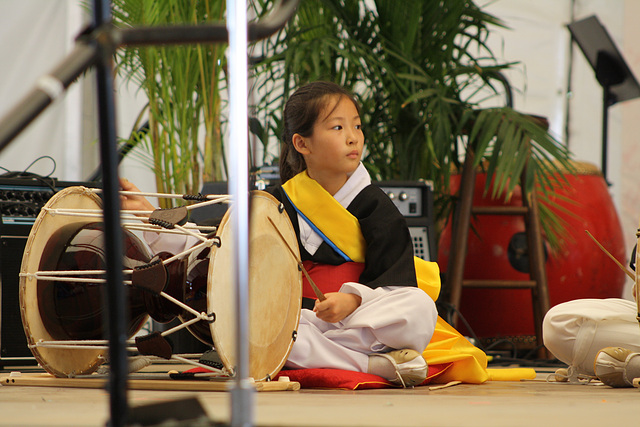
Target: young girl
{"x": 353, "y": 242}
{"x": 374, "y": 318}
{"x": 379, "y": 314}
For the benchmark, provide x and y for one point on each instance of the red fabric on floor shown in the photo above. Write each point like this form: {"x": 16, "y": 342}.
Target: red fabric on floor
{"x": 345, "y": 380}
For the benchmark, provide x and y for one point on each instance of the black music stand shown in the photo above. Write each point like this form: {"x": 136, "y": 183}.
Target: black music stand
{"x": 613, "y": 74}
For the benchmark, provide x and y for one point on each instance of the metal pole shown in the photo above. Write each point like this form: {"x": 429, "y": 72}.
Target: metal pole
{"x": 242, "y": 393}
{"x": 51, "y": 86}
{"x": 206, "y": 33}
{"x": 115, "y": 290}
{"x": 98, "y": 51}
{"x": 606, "y": 103}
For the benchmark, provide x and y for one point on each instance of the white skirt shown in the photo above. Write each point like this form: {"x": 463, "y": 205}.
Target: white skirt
{"x": 575, "y": 331}
{"x": 387, "y": 319}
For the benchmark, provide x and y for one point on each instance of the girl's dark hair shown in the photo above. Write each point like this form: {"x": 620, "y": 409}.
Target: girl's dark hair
{"x": 300, "y": 114}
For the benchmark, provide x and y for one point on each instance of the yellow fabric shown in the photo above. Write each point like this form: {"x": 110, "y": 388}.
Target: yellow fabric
{"x": 511, "y": 374}
{"x": 428, "y": 277}
{"x": 306, "y": 192}
{"x": 468, "y": 363}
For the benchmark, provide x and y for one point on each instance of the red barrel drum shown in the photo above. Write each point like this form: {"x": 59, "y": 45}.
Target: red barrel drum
{"x": 578, "y": 270}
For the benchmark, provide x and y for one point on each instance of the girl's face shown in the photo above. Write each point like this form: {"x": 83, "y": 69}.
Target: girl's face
{"x": 335, "y": 147}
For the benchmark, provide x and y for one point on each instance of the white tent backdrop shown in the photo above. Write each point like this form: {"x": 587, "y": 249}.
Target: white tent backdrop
{"x": 37, "y": 34}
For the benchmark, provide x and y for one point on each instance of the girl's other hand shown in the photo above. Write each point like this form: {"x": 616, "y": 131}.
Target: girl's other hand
{"x": 133, "y": 202}
{"x": 337, "y": 306}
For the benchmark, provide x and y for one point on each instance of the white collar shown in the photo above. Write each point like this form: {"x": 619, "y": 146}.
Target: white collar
{"x": 356, "y": 182}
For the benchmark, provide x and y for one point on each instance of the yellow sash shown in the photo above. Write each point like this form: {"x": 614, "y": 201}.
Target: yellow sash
{"x": 314, "y": 202}
{"x": 468, "y": 363}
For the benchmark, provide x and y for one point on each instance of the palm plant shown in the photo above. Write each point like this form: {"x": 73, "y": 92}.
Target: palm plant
{"x": 183, "y": 85}
{"x": 419, "y": 69}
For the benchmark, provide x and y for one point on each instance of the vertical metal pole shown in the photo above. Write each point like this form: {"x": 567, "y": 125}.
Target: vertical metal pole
{"x": 242, "y": 394}
{"x": 606, "y": 102}
{"x": 115, "y": 291}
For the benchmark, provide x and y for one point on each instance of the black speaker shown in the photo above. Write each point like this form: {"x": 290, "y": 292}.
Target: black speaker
{"x": 13, "y": 343}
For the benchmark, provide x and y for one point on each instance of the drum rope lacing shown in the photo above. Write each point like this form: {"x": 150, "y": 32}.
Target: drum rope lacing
{"x": 138, "y": 225}
{"x": 138, "y": 221}
{"x": 213, "y": 198}
{"x": 206, "y": 241}
{"x": 104, "y": 345}
{"x": 131, "y": 347}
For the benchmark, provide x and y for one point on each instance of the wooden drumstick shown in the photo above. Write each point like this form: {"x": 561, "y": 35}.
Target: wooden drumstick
{"x": 622, "y": 267}
{"x": 316, "y": 290}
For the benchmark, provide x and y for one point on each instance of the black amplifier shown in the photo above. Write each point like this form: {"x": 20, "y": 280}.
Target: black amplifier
{"x": 414, "y": 200}
{"x": 20, "y": 202}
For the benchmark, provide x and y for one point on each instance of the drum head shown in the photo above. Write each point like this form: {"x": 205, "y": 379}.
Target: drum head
{"x": 275, "y": 289}
{"x": 59, "y": 362}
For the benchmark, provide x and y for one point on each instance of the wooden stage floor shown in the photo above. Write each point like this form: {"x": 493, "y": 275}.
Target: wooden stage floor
{"x": 525, "y": 403}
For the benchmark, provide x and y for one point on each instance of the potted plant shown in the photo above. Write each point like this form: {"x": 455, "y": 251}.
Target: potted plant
{"x": 183, "y": 84}
{"x": 419, "y": 71}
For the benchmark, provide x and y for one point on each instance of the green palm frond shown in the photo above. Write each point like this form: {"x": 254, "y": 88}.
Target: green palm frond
{"x": 420, "y": 69}
{"x": 183, "y": 86}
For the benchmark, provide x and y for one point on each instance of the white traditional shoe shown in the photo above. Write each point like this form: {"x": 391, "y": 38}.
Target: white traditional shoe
{"x": 403, "y": 367}
{"x": 617, "y": 366}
